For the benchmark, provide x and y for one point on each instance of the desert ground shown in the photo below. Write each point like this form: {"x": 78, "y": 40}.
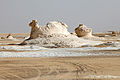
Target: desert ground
{"x": 102, "y": 67}
{"x": 65, "y": 68}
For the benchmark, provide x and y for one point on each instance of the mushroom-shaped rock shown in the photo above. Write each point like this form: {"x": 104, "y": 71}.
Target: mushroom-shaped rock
{"x": 83, "y": 30}
{"x": 51, "y": 28}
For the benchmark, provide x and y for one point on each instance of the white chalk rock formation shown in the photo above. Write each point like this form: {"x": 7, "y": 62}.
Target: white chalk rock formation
{"x": 55, "y": 34}
{"x": 70, "y": 41}
{"x": 83, "y": 31}
{"x": 53, "y": 27}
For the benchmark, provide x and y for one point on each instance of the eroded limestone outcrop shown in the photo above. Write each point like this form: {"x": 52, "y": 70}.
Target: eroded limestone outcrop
{"x": 83, "y": 31}
{"x": 55, "y": 34}
{"x": 51, "y": 28}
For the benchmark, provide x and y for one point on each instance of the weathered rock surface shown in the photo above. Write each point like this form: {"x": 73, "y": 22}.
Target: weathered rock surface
{"x": 83, "y": 31}
{"x": 55, "y": 34}
{"x": 61, "y": 41}
{"x": 51, "y": 28}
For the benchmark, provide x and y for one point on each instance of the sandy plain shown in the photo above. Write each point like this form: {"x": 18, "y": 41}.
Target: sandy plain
{"x": 65, "y": 68}
{"x": 59, "y": 68}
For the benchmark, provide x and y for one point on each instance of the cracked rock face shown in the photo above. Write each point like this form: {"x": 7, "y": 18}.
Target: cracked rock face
{"x": 83, "y": 30}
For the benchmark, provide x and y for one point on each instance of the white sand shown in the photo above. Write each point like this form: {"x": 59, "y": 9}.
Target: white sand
{"x": 52, "y": 52}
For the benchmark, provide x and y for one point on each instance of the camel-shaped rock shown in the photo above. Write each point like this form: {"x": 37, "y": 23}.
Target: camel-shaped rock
{"x": 51, "y": 28}
{"x": 83, "y": 31}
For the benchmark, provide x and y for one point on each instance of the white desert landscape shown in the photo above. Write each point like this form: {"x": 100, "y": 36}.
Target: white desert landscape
{"x": 51, "y": 52}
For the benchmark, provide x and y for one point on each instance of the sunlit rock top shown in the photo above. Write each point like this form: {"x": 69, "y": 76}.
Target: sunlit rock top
{"x": 83, "y": 30}
{"x": 51, "y": 28}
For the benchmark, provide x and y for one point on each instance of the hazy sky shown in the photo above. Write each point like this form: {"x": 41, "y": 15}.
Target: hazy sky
{"x": 101, "y": 15}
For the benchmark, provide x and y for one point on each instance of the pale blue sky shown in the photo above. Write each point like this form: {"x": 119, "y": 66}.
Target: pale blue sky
{"x": 101, "y": 15}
